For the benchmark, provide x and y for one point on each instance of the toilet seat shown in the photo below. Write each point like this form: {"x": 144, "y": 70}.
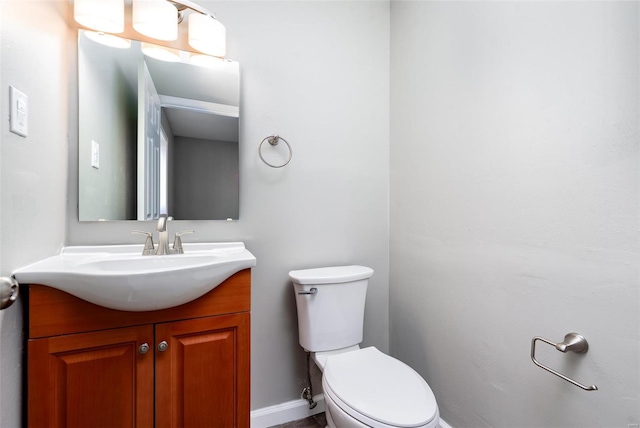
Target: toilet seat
{"x": 379, "y": 390}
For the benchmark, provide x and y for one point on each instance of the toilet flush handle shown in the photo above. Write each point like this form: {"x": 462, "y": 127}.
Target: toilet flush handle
{"x": 313, "y": 290}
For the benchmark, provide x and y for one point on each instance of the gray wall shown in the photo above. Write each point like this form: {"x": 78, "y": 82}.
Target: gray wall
{"x": 514, "y": 207}
{"x": 107, "y": 192}
{"x": 205, "y": 171}
{"x": 33, "y": 170}
{"x": 317, "y": 73}
{"x": 514, "y": 171}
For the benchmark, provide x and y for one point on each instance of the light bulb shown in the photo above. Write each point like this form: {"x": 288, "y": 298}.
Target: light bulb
{"x": 155, "y": 18}
{"x": 100, "y": 15}
{"x": 160, "y": 52}
{"x": 207, "y": 35}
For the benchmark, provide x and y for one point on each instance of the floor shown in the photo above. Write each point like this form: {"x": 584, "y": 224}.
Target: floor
{"x": 316, "y": 421}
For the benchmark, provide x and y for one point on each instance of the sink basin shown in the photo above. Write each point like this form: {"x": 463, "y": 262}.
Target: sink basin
{"x": 119, "y": 277}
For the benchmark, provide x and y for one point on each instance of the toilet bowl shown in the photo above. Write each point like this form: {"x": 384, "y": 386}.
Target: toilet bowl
{"x": 362, "y": 387}
{"x": 368, "y": 388}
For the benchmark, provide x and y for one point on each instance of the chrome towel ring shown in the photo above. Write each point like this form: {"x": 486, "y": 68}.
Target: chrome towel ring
{"x": 274, "y": 140}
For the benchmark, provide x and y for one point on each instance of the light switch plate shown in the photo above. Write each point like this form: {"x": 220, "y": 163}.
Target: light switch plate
{"x": 95, "y": 154}
{"x": 18, "y": 114}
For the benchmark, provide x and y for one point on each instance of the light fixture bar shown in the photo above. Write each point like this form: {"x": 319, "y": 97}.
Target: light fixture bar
{"x": 206, "y": 33}
{"x": 193, "y": 6}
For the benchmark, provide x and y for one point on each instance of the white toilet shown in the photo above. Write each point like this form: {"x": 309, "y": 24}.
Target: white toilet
{"x": 362, "y": 387}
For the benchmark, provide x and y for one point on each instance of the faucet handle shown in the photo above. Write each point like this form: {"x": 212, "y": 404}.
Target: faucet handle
{"x": 177, "y": 242}
{"x": 148, "y": 243}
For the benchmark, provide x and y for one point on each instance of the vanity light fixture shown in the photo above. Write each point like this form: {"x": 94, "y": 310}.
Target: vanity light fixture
{"x": 157, "y": 19}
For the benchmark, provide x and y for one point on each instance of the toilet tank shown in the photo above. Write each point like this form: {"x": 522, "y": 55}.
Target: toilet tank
{"x": 333, "y": 317}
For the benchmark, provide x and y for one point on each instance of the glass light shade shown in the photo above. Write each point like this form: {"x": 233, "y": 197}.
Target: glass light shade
{"x": 108, "y": 39}
{"x": 160, "y": 52}
{"x": 100, "y": 15}
{"x": 207, "y": 35}
{"x": 155, "y": 18}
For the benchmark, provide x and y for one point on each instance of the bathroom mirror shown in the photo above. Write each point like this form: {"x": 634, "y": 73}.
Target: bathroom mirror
{"x": 156, "y": 136}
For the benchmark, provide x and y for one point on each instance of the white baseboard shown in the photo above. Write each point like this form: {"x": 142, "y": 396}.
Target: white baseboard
{"x": 285, "y": 412}
{"x": 443, "y": 424}
{"x": 293, "y": 411}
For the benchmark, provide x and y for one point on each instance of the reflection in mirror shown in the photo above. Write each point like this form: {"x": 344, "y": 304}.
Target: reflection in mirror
{"x": 155, "y": 136}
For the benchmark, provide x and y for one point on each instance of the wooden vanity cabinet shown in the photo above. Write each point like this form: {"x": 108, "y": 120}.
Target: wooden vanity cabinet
{"x": 87, "y": 366}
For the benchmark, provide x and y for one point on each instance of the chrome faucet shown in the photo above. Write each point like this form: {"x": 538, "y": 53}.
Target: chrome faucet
{"x": 163, "y": 239}
{"x": 163, "y": 236}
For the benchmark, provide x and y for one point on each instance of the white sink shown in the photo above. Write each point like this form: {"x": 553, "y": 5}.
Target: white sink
{"x": 119, "y": 277}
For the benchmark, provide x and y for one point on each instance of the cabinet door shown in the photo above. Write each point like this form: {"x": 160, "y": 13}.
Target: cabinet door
{"x": 97, "y": 379}
{"x": 202, "y": 378}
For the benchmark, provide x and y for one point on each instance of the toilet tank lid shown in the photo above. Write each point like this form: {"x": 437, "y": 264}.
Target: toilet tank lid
{"x": 330, "y": 275}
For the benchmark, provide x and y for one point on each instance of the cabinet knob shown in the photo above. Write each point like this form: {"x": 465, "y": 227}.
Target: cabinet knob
{"x": 162, "y": 346}
{"x": 144, "y": 348}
